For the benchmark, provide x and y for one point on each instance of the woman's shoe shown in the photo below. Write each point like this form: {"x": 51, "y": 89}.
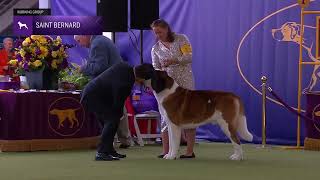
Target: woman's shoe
{"x": 187, "y": 157}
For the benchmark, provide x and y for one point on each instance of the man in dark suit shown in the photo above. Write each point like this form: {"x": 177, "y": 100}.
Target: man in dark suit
{"x": 102, "y": 55}
{"x": 105, "y": 96}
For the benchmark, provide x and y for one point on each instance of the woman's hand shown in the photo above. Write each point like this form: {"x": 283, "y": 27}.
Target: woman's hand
{"x": 4, "y": 68}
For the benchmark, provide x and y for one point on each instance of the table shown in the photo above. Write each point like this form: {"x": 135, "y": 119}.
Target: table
{"x": 32, "y": 121}
{"x": 10, "y": 85}
{"x": 312, "y": 140}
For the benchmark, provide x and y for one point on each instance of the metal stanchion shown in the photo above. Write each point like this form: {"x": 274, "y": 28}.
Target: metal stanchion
{"x": 264, "y": 86}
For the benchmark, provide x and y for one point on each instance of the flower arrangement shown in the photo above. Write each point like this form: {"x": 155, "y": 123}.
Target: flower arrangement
{"x": 72, "y": 79}
{"x": 41, "y": 52}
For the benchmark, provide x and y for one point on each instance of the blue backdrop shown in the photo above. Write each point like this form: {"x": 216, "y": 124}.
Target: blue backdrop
{"x": 234, "y": 42}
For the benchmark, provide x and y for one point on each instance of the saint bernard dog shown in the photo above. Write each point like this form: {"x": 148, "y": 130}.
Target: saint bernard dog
{"x": 182, "y": 108}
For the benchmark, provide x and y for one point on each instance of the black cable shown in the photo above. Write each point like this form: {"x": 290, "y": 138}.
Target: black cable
{"x": 134, "y": 37}
{"x": 135, "y": 46}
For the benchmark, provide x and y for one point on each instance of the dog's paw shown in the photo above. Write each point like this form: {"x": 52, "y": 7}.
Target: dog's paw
{"x": 165, "y": 156}
{"x": 170, "y": 157}
{"x": 236, "y": 157}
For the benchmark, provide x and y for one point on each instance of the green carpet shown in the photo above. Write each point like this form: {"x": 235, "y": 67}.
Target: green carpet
{"x": 211, "y": 163}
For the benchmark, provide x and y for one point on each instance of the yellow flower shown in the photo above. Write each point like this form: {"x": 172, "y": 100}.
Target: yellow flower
{"x": 35, "y": 37}
{"x": 22, "y": 52}
{"x": 37, "y": 43}
{"x": 37, "y": 63}
{"x": 54, "y": 54}
{"x": 42, "y": 40}
{"x": 59, "y": 61}
{"x": 44, "y": 52}
{"x": 186, "y": 49}
{"x": 54, "y": 64}
{"x": 59, "y": 39}
{"x": 13, "y": 62}
{"x": 33, "y": 50}
{"x": 26, "y": 42}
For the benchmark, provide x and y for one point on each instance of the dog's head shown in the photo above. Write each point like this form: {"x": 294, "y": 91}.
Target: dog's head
{"x": 287, "y": 32}
{"x": 53, "y": 112}
{"x": 159, "y": 79}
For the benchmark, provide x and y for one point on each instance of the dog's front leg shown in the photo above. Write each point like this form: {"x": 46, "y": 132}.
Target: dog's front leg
{"x": 170, "y": 141}
{"x": 174, "y": 140}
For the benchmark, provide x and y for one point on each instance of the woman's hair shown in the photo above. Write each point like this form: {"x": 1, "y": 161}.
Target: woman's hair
{"x": 163, "y": 24}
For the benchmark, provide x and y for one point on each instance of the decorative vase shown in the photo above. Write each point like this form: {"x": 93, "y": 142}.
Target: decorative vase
{"x": 35, "y": 79}
{"x": 23, "y": 82}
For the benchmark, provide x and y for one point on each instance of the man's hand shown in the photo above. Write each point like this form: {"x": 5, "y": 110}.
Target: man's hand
{"x": 76, "y": 67}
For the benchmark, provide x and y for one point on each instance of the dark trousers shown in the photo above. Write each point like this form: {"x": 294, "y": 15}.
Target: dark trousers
{"x": 109, "y": 123}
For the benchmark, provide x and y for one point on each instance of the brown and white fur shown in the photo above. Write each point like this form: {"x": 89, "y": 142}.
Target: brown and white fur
{"x": 182, "y": 108}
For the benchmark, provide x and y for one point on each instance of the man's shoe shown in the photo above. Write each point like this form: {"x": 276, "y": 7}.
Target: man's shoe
{"x": 124, "y": 146}
{"x": 117, "y": 155}
{"x": 105, "y": 157}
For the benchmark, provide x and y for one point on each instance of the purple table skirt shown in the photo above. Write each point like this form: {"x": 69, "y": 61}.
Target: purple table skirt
{"x": 40, "y": 115}
{"x": 9, "y": 85}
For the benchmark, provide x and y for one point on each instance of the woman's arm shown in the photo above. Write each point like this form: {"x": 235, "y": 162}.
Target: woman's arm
{"x": 155, "y": 59}
{"x": 186, "y": 51}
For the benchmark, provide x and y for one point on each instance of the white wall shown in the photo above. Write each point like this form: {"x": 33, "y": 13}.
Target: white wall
{"x": 45, "y": 4}
{"x": 107, "y": 34}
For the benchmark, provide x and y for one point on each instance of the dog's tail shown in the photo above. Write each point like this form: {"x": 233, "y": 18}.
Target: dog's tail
{"x": 243, "y": 129}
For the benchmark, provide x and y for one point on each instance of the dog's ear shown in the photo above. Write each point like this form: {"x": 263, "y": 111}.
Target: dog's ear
{"x": 158, "y": 82}
{"x": 168, "y": 80}
{"x": 144, "y": 71}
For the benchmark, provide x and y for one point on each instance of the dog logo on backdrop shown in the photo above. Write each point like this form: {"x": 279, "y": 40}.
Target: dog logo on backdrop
{"x": 66, "y": 115}
{"x": 316, "y": 116}
{"x": 21, "y": 25}
{"x": 317, "y": 113}
{"x": 290, "y": 32}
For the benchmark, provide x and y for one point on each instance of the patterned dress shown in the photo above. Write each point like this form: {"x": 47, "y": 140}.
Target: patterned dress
{"x": 180, "y": 49}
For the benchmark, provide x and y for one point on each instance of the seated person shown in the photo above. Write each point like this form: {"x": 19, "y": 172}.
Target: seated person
{"x": 141, "y": 100}
{"x": 5, "y": 55}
